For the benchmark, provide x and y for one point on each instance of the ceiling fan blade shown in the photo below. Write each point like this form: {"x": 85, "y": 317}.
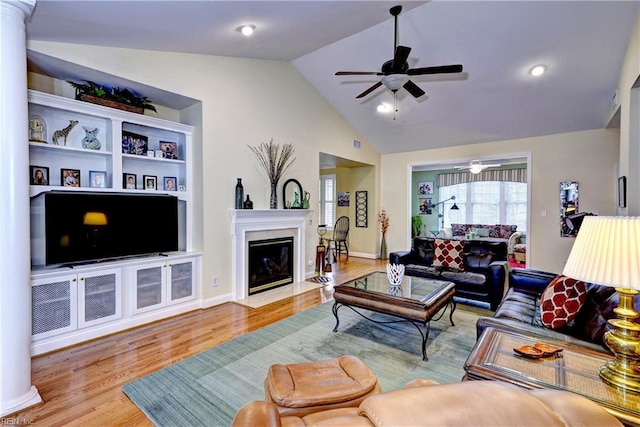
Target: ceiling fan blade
{"x": 413, "y": 89}
{"x": 358, "y": 73}
{"x": 371, "y": 89}
{"x": 399, "y": 59}
{"x": 442, "y": 69}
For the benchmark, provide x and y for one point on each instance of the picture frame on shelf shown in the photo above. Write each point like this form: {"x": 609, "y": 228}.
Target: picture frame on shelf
{"x": 150, "y": 182}
{"x": 98, "y": 179}
{"x": 169, "y": 150}
{"x": 182, "y": 187}
{"x": 425, "y": 187}
{"x": 133, "y": 143}
{"x": 39, "y": 175}
{"x": 169, "y": 183}
{"x": 70, "y": 177}
{"x": 129, "y": 181}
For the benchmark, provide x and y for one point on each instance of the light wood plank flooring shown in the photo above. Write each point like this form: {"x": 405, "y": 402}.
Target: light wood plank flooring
{"x": 81, "y": 385}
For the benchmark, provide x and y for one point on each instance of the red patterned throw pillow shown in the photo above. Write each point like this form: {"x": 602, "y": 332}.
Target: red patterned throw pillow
{"x": 448, "y": 253}
{"x": 561, "y": 301}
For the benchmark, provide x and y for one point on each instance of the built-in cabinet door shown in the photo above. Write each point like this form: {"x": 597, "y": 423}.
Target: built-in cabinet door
{"x": 181, "y": 280}
{"x": 149, "y": 286}
{"x": 99, "y": 297}
{"x": 54, "y": 307}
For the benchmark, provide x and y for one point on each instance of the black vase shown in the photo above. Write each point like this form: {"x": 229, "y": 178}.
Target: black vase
{"x": 248, "y": 204}
{"x": 239, "y": 194}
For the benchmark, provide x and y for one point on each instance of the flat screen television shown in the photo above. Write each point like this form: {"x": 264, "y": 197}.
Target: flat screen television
{"x": 82, "y": 227}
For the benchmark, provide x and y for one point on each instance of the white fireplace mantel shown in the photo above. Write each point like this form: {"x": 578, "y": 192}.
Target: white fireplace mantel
{"x": 249, "y": 220}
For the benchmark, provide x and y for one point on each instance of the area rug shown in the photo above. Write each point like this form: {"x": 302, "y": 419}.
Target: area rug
{"x": 210, "y": 387}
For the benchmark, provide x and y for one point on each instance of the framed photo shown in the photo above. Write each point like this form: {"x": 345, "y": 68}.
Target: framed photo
{"x": 39, "y": 175}
{"x": 622, "y": 192}
{"x": 169, "y": 150}
{"x": 133, "y": 143}
{"x": 343, "y": 199}
{"x": 170, "y": 183}
{"x": 150, "y": 182}
{"x": 70, "y": 177}
{"x": 425, "y": 187}
{"x": 182, "y": 187}
{"x": 129, "y": 181}
{"x": 97, "y": 179}
{"x": 425, "y": 206}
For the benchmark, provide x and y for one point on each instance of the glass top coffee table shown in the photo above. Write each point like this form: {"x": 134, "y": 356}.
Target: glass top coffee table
{"x": 574, "y": 369}
{"x": 417, "y": 300}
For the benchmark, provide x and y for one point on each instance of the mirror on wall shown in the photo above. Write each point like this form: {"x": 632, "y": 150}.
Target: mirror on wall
{"x": 569, "y": 208}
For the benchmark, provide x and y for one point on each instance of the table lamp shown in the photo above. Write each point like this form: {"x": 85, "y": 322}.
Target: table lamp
{"x": 607, "y": 252}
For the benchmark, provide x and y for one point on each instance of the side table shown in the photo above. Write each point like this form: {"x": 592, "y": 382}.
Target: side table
{"x": 575, "y": 369}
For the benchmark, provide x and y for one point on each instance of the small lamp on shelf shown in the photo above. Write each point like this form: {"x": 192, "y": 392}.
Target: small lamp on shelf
{"x": 607, "y": 252}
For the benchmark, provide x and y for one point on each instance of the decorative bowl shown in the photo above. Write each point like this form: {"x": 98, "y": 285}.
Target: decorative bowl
{"x": 395, "y": 273}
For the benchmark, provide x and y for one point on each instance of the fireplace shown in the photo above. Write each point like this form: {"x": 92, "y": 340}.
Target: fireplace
{"x": 260, "y": 224}
{"x": 270, "y": 264}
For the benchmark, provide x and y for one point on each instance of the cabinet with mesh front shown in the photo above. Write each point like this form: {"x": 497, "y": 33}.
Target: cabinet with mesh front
{"x": 181, "y": 283}
{"x": 54, "y": 306}
{"x": 149, "y": 287}
{"x": 98, "y": 297}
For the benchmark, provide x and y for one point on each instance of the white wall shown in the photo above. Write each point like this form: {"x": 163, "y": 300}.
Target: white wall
{"x": 244, "y": 102}
{"x": 629, "y": 102}
{"x": 588, "y": 157}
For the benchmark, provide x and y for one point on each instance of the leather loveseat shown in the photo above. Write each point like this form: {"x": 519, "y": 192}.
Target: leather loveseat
{"x": 471, "y": 403}
{"x": 520, "y": 311}
{"x": 484, "y": 274}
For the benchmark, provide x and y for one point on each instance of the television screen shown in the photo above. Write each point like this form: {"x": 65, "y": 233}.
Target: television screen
{"x": 83, "y": 227}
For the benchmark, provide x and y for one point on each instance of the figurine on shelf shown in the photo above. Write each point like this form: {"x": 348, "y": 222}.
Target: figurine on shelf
{"x": 64, "y": 133}
{"x": 37, "y": 130}
{"x": 90, "y": 141}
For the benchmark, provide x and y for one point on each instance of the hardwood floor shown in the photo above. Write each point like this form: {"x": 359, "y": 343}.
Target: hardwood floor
{"x": 81, "y": 385}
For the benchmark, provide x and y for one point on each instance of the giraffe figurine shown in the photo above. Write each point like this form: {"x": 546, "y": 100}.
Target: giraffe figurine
{"x": 63, "y": 133}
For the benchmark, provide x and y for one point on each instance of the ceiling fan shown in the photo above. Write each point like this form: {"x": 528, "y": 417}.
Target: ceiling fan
{"x": 396, "y": 70}
{"x": 475, "y": 166}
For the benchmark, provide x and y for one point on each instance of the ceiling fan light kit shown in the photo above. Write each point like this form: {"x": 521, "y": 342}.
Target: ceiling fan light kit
{"x": 396, "y": 70}
{"x": 475, "y": 166}
{"x": 246, "y": 30}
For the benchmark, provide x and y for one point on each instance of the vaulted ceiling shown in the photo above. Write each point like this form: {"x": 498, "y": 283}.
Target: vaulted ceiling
{"x": 582, "y": 44}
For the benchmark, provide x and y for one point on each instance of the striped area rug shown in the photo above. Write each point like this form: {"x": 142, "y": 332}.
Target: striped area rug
{"x": 209, "y": 388}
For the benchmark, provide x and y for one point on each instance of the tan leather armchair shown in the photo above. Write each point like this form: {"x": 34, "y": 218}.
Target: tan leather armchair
{"x": 469, "y": 403}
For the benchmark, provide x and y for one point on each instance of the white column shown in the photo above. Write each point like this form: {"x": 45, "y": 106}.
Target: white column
{"x": 16, "y": 391}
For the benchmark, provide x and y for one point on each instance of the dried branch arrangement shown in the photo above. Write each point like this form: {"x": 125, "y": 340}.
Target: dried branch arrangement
{"x": 274, "y": 158}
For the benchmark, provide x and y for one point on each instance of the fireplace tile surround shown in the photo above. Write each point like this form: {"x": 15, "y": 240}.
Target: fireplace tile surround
{"x": 253, "y": 224}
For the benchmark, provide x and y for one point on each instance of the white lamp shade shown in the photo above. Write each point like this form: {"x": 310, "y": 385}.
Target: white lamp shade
{"x": 607, "y": 252}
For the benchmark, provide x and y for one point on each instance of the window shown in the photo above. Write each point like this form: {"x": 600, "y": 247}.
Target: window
{"x": 327, "y": 203}
{"x": 486, "y": 202}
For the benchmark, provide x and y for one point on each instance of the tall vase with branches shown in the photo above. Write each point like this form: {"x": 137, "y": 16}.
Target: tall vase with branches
{"x": 275, "y": 159}
{"x": 383, "y": 219}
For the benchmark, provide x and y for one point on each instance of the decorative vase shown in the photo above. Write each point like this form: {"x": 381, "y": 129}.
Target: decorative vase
{"x": 248, "y": 204}
{"x": 383, "y": 248}
{"x": 273, "y": 201}
{"x": 296, "y": 202}
{"x": 305, "y": 201}
{"x": 395, "y": 273}
{"x": 239, "y": 194}
{"x": 90, "y": 141}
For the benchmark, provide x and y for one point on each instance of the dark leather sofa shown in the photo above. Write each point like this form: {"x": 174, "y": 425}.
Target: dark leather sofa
{"x": 519, "y": 311}
{"x": 485, "y": 268}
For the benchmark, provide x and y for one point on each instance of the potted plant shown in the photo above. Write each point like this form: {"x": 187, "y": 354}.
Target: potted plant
{"x": 122, "y": 99}
{"x": 416, "y": 225}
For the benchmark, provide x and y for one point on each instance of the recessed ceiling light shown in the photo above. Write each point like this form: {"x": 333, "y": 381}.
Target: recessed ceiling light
{"x": 384, "y": 108}
{"x": 246, "y": 30}
{"x": 538, "y": 70}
